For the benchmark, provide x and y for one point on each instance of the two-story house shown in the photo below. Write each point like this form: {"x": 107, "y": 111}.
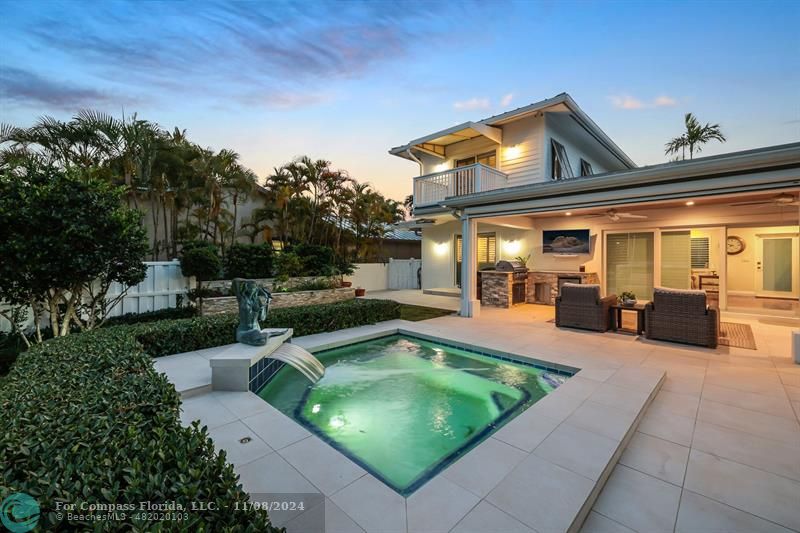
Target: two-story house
{"x": 546, "y": 184}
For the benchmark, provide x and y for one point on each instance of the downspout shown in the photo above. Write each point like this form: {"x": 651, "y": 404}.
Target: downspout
{"x": 414, "y": 158}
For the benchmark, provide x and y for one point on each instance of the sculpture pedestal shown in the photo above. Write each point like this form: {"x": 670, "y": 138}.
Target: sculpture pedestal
{"x": 242, "y": 367}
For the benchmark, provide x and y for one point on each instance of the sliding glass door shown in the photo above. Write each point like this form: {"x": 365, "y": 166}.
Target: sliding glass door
{"x": 630, "y": 263}
{"x": 676, "y": 259}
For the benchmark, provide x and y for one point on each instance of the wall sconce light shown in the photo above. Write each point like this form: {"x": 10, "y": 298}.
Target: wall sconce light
{"x": 441, "y": 248}
{"x": 568, "y": 214}
{"x": 441, "y": 167}
{"x": 512, "y": 152}
{"x": 690, "y": 203}
{"x": 512, "y": 246}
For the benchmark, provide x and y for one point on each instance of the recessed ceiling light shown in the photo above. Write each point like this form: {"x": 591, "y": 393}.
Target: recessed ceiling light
{"x": 568, "y": 214}
{"x": 690, "y": 202}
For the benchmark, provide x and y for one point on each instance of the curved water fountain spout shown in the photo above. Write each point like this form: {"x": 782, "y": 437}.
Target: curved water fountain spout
{"x": 301, "y": 359}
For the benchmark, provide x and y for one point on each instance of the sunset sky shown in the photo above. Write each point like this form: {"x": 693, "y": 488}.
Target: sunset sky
{"x": 346, "y": 81}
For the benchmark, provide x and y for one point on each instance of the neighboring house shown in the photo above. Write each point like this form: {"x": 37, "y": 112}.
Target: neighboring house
{"x": 545, "y": 180}
{"x": 397, "y": 244}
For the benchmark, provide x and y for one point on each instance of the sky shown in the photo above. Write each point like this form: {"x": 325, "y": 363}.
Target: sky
{"x": 346, "y": 81}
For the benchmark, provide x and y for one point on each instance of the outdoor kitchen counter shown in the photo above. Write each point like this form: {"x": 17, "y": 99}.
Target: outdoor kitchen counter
{"x": 543, "y": 285}
{"x": 496, "y": 288}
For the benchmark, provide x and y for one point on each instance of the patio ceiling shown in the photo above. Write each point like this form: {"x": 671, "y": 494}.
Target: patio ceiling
{"x": 775, "y": 200}
{"x": 435, "y": 144}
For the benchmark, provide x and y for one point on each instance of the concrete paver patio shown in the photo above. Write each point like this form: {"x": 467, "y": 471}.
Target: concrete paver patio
{"x": 718, "y": 449}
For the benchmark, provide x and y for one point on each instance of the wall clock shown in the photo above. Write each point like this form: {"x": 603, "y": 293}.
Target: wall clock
{"x": 734, "y": 245}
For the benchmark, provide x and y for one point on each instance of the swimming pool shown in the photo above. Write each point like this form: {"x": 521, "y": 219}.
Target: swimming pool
{"x": 404, "y": 408}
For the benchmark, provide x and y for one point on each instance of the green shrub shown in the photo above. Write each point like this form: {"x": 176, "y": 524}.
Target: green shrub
{"x": 311, "y": 319}
{"x": 202, "y": 261}
{"x": 186, "y": 335}
{"x": 317, "y": 260}
{"x": 288, "y": 265}
{"x": 170, "y": 313}
{"x": 251, "y": 261}
{"x": 308, "y": 285}
{"x": 168, "y": 337}
{"x": 86, "y": 419}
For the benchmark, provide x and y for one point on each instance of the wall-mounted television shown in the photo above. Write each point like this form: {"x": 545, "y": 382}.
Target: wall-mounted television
{"x": 566, "y": 241}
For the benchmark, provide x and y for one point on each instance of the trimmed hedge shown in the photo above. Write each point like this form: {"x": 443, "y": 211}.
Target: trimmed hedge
{"x": 248, "y": 261}
{"x": 177, "y": 336}
{"x": 170, "y": 313}
{"x": 86, "y": 418}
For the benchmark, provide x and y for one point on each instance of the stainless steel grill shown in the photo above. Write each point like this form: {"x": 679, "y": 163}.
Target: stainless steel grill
{"x": 519, "y": 278}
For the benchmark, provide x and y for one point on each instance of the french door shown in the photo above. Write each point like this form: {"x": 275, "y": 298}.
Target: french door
{"x": 487, "y": 253}
{"x": 777, "y": 265}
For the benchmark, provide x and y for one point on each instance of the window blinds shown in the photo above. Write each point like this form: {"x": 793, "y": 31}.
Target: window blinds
{"x": 629, "y": 264}
{"x": 676, "y": 259}
{"x": 487, "y": 248}
{"x": 700, "y": 246}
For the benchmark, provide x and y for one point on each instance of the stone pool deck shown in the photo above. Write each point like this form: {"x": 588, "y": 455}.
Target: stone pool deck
{"x": 543, "y": 471}
{"x": 716, "y": 451}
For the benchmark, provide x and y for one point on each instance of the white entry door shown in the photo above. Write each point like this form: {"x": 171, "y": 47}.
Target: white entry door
{"x": 777, "y": 265}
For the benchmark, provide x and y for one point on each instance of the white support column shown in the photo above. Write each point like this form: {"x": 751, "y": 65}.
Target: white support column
{"x": 470, "y": 306}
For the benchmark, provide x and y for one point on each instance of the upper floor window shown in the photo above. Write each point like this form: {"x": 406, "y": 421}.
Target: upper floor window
{"x": 559, "y": 161}
{"x": 586, "y": 168}
{"x": 489, "y": 159}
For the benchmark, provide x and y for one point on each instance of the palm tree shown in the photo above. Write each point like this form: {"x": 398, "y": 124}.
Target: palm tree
{"x": 694, "y": 138}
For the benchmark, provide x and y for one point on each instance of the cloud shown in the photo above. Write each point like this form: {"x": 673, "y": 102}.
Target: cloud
{"x": 631, "y": 103}
{"x": 472, "y": 104}
{"x": 230, "y": 51}
{"x": 285, "y": 100}
{"x": 28, "y": 88}
{"x": 665, "y": 101}
{"x": 506, "y": 100}
{"x": 626, "y": 102}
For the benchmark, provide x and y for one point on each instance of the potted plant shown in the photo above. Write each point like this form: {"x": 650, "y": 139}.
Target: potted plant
{"x": 344, "y": 268}
{"x": 627, "y": 298}
{"x": 360, "y": 291}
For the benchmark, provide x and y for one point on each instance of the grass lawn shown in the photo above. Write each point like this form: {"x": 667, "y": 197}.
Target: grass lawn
{"x": 415, "y": 313}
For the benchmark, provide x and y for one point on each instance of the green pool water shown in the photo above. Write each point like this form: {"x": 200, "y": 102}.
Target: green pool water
{"x": 405, "y": 408}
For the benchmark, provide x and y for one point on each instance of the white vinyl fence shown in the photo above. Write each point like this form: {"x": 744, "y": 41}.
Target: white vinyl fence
{"x": 404, "y": 273}
{"x": 370, "y": 276}
{"x": 159, "y": 290}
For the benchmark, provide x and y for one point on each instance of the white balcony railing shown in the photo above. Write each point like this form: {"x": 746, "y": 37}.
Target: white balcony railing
{"x": 431, "y": 189}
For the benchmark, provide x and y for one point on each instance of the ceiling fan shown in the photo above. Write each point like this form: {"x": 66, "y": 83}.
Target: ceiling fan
{"x": 782, "y": 200}
{"x": 613, "y": 215}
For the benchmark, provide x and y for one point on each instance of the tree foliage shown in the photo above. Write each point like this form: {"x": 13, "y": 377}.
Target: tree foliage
{"x": 200, "y": 260}
{"x": 695, "y": 136}
{"x": 192, "y": 192}
{"x": 64, "y": 239}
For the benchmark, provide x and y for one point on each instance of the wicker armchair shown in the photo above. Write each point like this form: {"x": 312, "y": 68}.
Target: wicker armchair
{"x": 682, "y": 316}
{"x": 580, "y": 306}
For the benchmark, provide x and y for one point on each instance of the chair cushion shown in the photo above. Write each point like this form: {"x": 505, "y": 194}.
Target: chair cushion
{"x": 683, "y": 301}
{"x": 578, "y": 293}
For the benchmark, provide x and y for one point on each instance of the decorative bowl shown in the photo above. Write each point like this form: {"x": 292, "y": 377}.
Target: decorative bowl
{"x": 628, "y": 302}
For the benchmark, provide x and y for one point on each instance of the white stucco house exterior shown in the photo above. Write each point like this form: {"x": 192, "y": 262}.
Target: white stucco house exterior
{"x": 508, "y": 185}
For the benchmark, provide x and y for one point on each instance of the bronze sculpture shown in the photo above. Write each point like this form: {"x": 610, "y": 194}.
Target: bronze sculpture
{"x": 253, "y": 303}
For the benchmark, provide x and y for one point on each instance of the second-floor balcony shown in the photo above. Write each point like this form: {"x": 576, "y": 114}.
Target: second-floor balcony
{"x": 431, "y": 189}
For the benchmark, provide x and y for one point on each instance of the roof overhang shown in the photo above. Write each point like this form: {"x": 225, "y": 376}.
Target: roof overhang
{"x": 772, "y": 168}
{"x": 436, "y": 143}
{"x": 491, "y": 128}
